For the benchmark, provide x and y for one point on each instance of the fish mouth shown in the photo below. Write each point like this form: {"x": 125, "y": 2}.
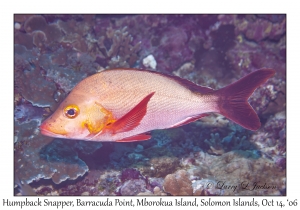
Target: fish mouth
{"x": 45, "y": 131}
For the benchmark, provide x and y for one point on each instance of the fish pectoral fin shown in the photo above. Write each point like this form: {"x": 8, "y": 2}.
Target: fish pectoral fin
{"x": 189, "y": 120}
{"x": 133, "y": 118}
{"x": 139, "y": 137}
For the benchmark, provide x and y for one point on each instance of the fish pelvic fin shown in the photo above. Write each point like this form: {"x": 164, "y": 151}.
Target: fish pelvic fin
{"x": 139, "y": 137}
{"x": 189, "y": 120}
{"x": 133, "y": 118}
{"x": 233, "y": 99}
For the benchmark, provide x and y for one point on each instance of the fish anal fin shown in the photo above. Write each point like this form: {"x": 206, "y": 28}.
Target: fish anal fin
{"x": 133, "y": 118}
{"x": 139, "y": 137}
{"x": 189, "y": 120}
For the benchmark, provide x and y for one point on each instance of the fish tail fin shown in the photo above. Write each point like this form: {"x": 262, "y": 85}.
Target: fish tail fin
{"x": 233, "y": 99}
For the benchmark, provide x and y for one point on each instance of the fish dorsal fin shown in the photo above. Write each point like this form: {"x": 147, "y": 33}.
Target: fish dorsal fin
{"x": 133, "y": 118}
{"x": 139, "y": 137}
{"x": 192, "y": 86}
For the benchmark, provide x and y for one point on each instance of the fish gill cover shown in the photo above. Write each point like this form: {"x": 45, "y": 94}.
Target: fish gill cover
{"x": 52, "y": 53}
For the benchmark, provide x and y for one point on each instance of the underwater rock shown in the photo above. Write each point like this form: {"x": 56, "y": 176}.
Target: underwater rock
{"x": 36, "y": 22}
{"x": 109, "y": 182}
{"x": 261, "y": 29}
{"x": 79, "y": 67}
{"x": 25, "y": 112}
{"x": 25, "y": 131}
{"x": 172, "y": 50}
{"x": 21, "y": 18}
{"x": 23, "y": 39}
{"x": 156, "y": 192}
{"x": 161, "y": 166}
{"x": 39, "y": 39}
{"x": 133, "y": 187}
{"x": 94, "y": 183}
{"x": 275, "y": 124}
{"x": 248, "y": 168}
{"x": 155, "y": 182}
{"x": 129, "y": 174}
{"x": 43, "y": 34}
{"x": 185, "y": 70}
{"x": 271, "y": 140}
{"x": 149, "y": 61}
{"x": 45, "y": 190}
{"x": 196, "y": 171}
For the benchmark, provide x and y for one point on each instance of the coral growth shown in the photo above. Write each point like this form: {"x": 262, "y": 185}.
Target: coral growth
{"x": 29, "y": 79}
{"x": 229, "y": 166}
{"x": 160, "y": 167}
{"x": 178, "y": 183}
{"x": 56, "y": 160}
{"x": 133, "y": 187}
{"x": 120, "y": 53}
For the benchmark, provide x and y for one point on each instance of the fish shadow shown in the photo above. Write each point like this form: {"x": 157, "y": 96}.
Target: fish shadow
{"x": 59, "y": 151}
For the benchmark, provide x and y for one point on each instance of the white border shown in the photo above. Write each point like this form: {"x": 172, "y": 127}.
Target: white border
{"x": 153, "y": 6}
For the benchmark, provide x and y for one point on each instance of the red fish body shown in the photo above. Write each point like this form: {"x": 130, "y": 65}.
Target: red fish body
{"x": 124, "y": 104}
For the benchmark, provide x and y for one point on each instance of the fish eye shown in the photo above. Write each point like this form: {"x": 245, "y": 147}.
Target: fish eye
{"x": 71, "y": 111}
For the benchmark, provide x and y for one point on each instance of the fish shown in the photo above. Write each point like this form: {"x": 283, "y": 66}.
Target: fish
{"x": 125, "y": 105}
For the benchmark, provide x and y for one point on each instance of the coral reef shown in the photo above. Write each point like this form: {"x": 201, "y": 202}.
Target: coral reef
{"x": 52, "y": 53}
{"x": 48, "y": 159}
{"x": 178, "y": 183}
{"x": 29, "y": 79}
{"x": 156, "y": 192}
{"x": 236, "y": 168}
{"x": 120, "y": 53}
{"x": 133, "y": 187}
{"x": 161, "y": 166}
{"x": 205, "y": 187}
